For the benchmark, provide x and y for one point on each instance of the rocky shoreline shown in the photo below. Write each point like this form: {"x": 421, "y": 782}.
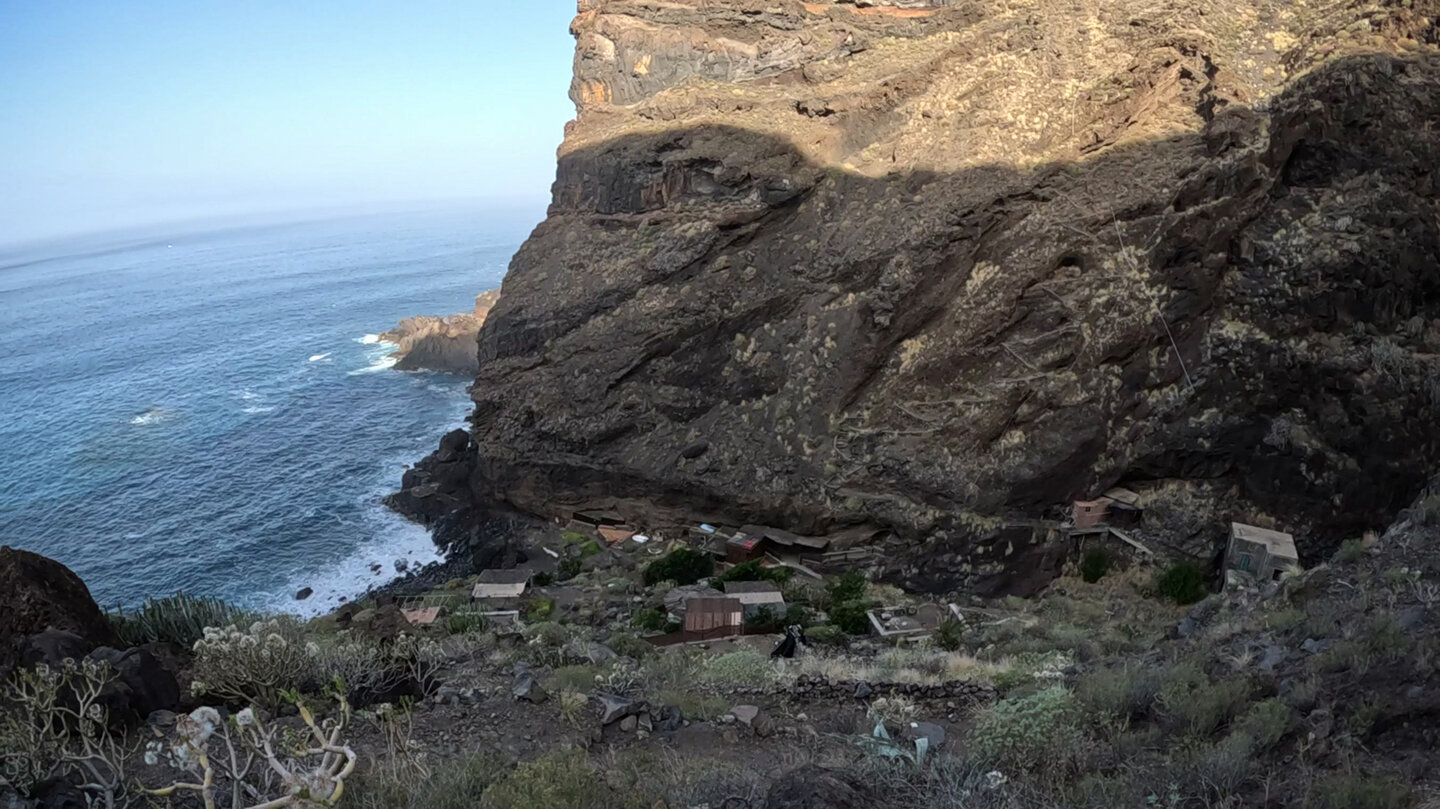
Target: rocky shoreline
{"x": 447, "y": 344}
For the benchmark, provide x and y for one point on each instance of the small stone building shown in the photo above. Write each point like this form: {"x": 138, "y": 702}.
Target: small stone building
{"x": 1259, "y": 554}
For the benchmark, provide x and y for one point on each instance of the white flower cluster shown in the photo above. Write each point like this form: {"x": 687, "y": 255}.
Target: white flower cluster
{"x": 254, "y": 664}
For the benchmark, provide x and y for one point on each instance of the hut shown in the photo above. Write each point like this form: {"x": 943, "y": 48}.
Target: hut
{"x": 1259, "y": 554}
{"x": 708, "y": 618}
{"x": 501, "y": 584}
{"x": 757, "y": 596}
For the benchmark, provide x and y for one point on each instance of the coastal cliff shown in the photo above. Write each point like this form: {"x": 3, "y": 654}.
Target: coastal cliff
{"x": 940, "y": 267}
{"x": 441, "y": 343}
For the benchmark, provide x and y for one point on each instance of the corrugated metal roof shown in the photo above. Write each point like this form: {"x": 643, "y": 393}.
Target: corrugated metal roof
{"x": 1280, "y": 543}
{"x": 513, "y": 576}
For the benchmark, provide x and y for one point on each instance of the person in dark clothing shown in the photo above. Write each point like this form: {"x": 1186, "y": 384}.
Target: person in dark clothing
{"x": 794, "y": 638}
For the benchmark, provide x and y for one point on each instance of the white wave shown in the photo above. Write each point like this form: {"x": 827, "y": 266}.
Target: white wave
{"x": 250, "y": 395}
{"x": 253, "y": 409}
{"x": 394, "y": 539}
{"x": 387, "y": 361}
{"x": 318, "y": 357}
{"x": 369, "y": 339}
{"x": 154, "y": 415}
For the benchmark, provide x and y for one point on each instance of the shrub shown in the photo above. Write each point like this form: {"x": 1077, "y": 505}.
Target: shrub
{"x": 464, "y": 623}
{"x": 543, "y": 579}
{"x": 736, "y": 669}
{"x": 895, "y": 712}
{"x": 1182, "y": 583}
{"x": 827, "y": 635}
{"x": 799, "y": 615}
{"x": 950, "y": 635}
{"x": 54, "y": 724}
{"x": 1265, "y": 723}
{"x": 568, "y": 568}
{"x": 1351, "y": 551}
{"x": 683, "y": 566}
{"x": 762, "y": 616}
{"x": 179, "y": 619}
{"x": 1095, "y": 564}
{"x": 1124, "y": 692}
{"x": 649, "y": 619}
{"x": 255, "y": 665}
{"x": 1196, "y": 705}
{"x": 627, "y": 645}
{"x": 572, "y": 678}
{"x": 850, "y": 617}
{"x": 1363, "y": 792}
{"x": 564, "y": 778}
{"x": 753, "y": 570}
{"x": 540, "y": 609}
{"x": 455, "y": 784}
{"x": 1021, "y": 734}
{"x": 849, "y": 587}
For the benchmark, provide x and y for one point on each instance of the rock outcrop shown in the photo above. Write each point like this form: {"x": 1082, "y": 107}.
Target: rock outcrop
{"x": 933, "y": 266}
{"x": 39, "y": 594}
{"x": 446, "y": 344}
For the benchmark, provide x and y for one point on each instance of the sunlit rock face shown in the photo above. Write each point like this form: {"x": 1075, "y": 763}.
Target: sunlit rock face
{"x": 941, "y": 267}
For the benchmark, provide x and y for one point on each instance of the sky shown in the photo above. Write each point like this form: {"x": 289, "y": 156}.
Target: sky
{"x": 116, "y": 114}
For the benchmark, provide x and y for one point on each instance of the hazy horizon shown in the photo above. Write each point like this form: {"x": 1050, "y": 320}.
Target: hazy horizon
{"x": 154, "y": 113}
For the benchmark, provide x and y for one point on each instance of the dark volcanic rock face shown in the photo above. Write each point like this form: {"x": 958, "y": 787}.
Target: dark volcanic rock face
{"x": 932, "y": 266}
{"x": 39, "y": 594}
{"x": 446, "y": 344}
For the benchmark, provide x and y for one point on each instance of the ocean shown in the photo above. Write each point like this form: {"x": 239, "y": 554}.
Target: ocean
{"x": 211, "y": 412}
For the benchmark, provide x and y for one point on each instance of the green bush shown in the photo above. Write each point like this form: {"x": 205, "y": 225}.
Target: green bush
{"x": 1363, "y": 792}
{"x": 799, "y": 614}
{"x": 627, "y": 645}
{"x": 849, "y": 587}
{"x": 850, "y": 616}
{"x": 179, "y": 619}
{"x": 1095, "y": 564}
{"x": 1182, "y": 582}
{"x": 1265, "y": 723}
{"x": 736, "y": 669}
{"x": 827, "y": 635}
{"x": 543, "y": 579}
{"x": 683, "y": 566}
{"x": 255, "y": 665}
{"x": 1353, "y": 550}
{"x": 649, "y": 619}
{"x": 763, "y": 616}
{"x": 539, "y": 609}
{"x": 568, "y": 568}
{"x": 753, "y": 570}
{"x": 455, "y": 784}
{"x": 1124, "y": 692}
{"x": 1194, "y": 703}
{"x": 464, "y": 623}
{"x": 565, "y": 778}
{"x": 950, "y": 635}
{"x": 1023, "y": 733}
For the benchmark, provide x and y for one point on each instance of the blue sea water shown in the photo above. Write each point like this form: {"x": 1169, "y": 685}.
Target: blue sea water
{"x": 205, "y": 411}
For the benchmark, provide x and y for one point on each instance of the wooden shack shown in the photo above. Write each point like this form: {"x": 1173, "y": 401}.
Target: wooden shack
{"x": 708, "y": 618}
{"x": 757, "y": 595}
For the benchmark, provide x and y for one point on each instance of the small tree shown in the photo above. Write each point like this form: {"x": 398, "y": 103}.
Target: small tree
{"x": 684, "y": 566}
{"x": 1182, "y": 582}
{"x": 1095, "y": 564}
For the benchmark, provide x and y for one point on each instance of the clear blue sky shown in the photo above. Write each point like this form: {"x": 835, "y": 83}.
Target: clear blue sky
{"x": 118, "y": 113}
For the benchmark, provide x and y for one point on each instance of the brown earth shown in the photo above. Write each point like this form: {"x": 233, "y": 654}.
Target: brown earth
{"x": 931, "y": 266}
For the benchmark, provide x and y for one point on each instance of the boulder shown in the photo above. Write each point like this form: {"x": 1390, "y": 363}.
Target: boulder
{"x": 304, "y": 593}
{"x": 815, "y": 787}
{"x": 670, "y": 718}
{"x": 36, "y": 594}
{"x": 142, "y": 685}
{"x": 525, "y": 687}
{"x": 617, "y": 708}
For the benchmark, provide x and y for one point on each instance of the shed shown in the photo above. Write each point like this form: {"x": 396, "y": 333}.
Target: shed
{"x": 713, "y": 618}
{"x": 423, "y": 616}
{"x": 757, "y": 595}
{"x": 1088, "y": 514}
{"x": 677, "y": 599}
{"x": 743, "y": 547}
{"x": 1259, "y": 553}
{"x": 501, "y": 584}
{"x": 615, "y": 534}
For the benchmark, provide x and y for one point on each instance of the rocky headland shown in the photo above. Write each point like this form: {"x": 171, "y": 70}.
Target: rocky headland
{"x": 441, "y": 343}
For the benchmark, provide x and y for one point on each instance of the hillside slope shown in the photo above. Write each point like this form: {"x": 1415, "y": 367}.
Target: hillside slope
{"x": 929, "y": 265}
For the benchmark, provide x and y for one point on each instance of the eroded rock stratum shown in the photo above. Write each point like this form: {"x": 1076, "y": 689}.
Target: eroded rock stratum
{"x": 938, "y": 267}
